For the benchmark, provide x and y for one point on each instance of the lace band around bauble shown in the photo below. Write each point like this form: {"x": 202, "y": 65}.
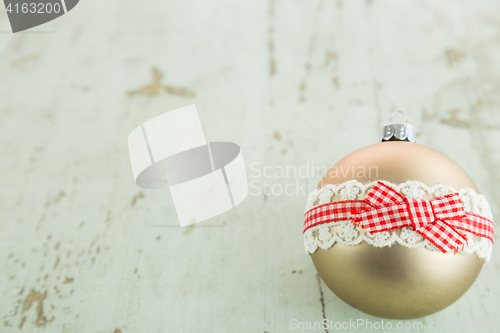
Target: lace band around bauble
{"x": 411, "y": 214}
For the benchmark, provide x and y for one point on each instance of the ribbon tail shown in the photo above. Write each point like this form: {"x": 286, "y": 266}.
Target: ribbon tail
{"x": 443, "y": 236}
{"x": 474, "y": 224}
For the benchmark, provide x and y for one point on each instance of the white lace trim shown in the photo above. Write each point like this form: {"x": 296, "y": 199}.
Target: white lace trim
{"x": 327, "y": 234}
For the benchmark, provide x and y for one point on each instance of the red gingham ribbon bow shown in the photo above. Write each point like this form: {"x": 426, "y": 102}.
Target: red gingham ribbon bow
{"x": 385, "y": 209}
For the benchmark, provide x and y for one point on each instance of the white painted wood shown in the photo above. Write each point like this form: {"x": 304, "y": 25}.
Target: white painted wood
{"x": 291, "y": 82}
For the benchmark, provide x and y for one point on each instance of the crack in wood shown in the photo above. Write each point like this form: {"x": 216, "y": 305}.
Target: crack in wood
{"x": 321, "y": 299}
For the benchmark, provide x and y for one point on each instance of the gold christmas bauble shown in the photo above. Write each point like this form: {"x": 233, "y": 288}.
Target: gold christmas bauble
{"x": 397, "y": 282}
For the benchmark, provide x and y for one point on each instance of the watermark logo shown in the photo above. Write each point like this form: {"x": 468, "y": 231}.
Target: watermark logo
{"x": 205, "y": 179}
{"x": 26, "y": 14}
{"x": 293, "y": 180}
{"x": 363, "y": 325}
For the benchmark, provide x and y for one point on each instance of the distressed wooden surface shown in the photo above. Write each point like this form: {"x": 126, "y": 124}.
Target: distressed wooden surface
{"x": 292, "y": 82}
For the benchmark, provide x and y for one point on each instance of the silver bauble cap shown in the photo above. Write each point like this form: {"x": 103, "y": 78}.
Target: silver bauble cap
{"x": 398, "y": 131}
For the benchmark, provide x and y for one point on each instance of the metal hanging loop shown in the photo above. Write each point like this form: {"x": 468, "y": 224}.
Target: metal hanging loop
{"x": 396, "y": 112}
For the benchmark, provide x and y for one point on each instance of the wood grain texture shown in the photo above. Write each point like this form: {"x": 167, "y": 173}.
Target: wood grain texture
{"x": 291, "y": 82}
